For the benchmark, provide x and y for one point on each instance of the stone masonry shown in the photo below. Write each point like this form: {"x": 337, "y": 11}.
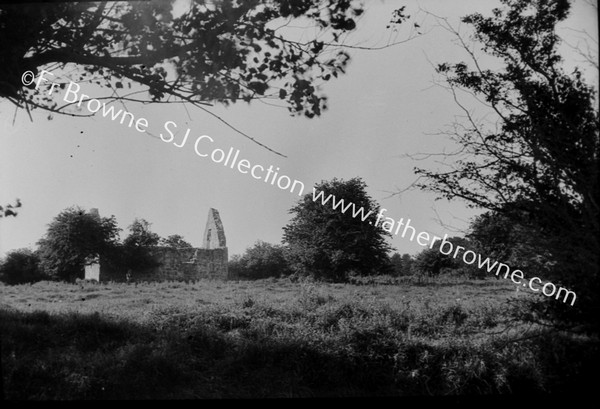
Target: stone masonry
{"x": 214, "y": 235}
{"x": 176, "y": 264}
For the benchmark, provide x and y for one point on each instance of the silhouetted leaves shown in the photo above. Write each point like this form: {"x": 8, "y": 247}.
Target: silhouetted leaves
{"x": 538, "y": 164}
{"x": 8, "y": 210}
{"x": 217, "y": 53}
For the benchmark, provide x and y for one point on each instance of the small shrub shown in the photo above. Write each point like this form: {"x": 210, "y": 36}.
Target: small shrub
{"x": 263, "y": 260}
{"x": 21, "y": 266}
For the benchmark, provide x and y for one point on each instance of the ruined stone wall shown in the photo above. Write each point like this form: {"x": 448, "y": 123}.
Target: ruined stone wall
{"x": 186, "y": 264}
{"x": 214, "y": 235}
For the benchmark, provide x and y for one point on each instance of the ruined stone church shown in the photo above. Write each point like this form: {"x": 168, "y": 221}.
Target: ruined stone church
{"x": 176, "y": 264}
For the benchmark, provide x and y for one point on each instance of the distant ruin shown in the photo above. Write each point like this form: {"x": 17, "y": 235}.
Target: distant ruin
{"x": 175, "y": 264}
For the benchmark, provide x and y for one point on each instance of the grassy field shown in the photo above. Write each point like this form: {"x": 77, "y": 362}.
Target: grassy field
{"x": 278, "y": 338}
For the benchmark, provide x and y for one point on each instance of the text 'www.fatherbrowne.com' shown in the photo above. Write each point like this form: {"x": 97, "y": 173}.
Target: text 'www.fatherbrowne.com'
{"x": 446, "y": 247}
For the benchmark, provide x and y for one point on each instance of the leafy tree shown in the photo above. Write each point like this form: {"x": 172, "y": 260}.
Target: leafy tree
{"x": 260, "y": 261}
{"x": 235, "y": 267}
{"x": 494, "y": 235}
{"x": 140, "y": 235}
{"x": 21, "y": 266}
{"x": 175, "y": 241}
{"x": 134, "y": 254}
{"x": 328, "y": 243}
{"x": 433, "y": 262}
{"x": 501, "y": 238}
{"x": 396, "y": 262}
{"x": 214, "y": 52}
{"x": 538, "y": 164}
{"x": 401, "y": 264}
{"x": 74, "y": 237}
{"x": 407, "y": 264}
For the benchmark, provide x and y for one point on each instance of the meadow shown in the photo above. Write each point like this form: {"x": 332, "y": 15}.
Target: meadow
{"x": 282, "y": 338}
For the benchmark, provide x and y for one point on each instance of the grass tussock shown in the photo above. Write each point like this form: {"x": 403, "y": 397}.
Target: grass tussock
{"x": 299, "y": 340}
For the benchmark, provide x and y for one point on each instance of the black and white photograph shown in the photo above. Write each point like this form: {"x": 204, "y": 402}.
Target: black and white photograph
{"x": 299, "y": 199}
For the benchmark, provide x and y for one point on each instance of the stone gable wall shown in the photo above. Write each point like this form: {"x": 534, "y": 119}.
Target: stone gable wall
{"x": 214, "y": 234}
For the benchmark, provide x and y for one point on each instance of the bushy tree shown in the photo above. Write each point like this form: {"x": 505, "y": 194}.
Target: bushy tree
{"x": 396, "y": 262}
{"x": 407, "y": 264}
{"x": 539, "y": 161}
{"x": 501, "y": 238}
{"x": 432, "y": 262}
{"x": 262, "y": 260}
{"x": 134, "y": 253}
{"x": 73, "y": 238}
{"x": 140, "y": 234}
{"x": 21, "y": 266}
{"x": 328, "y": 243}
{"x": 401, "y": 264}
{"x": 176, "y": 241}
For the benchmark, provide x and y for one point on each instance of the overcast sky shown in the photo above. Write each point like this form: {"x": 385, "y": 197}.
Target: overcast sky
{"x": 387, "y": 106}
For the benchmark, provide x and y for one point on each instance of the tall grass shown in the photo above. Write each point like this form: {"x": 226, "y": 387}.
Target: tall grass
{"x": 312, "y": 342}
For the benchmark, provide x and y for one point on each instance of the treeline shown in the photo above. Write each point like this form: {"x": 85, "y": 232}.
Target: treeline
{"x": 75, "y": 238}
{"x": 329, "y": 244}
{"x": 490, "y": 236}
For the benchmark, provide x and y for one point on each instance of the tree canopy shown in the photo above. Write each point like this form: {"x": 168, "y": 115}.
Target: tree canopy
{"x": 176, "y": 241}
{"x": 538, "y": 161}
{"x": 72, "y": 239}
{"x": 210, "y": 52}
{"x": 508, "y": 240}
{"x": 20, "y": 266}
{"x": 433, "y": 262}
{"x": 140, "y": 234}
{"x": 327, "y": 243}
{"x": 261, "y": 260}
